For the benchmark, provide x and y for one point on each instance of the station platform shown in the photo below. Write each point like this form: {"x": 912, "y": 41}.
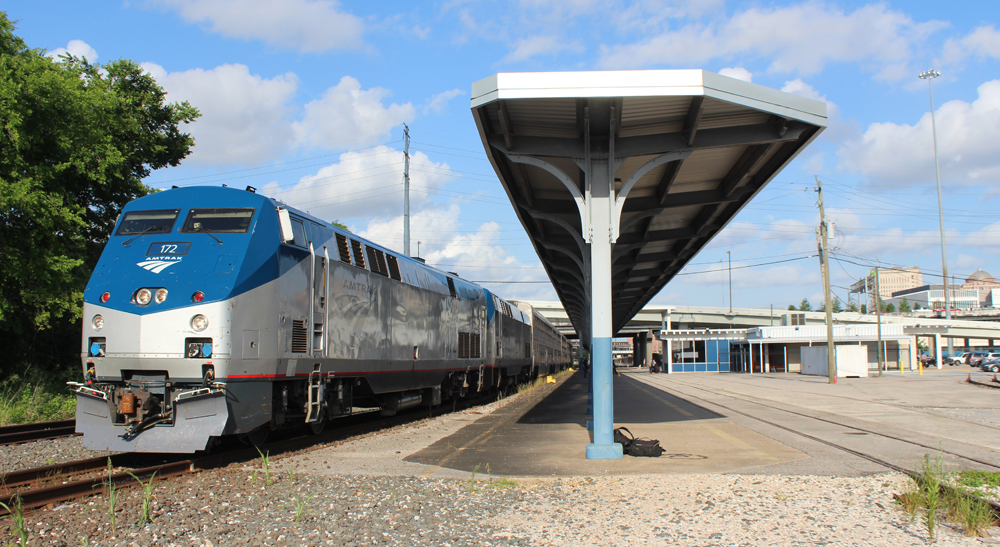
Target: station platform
{"x": 545, "y": 434}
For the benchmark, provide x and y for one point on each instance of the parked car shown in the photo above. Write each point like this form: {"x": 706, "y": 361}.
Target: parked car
{"x": 928, "y": 360}
{"x": 990, "y": 365}
{"x": 962, "y": 359}
{"x": 975, "y": 358}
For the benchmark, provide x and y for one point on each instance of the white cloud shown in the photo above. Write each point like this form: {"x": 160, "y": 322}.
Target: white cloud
{"x": 348, "y": 116}
{"x": 798, "y": 87}
{"x": 248, "y": 119}
{"x": 476, "y": 255}
{"x": 76, "y": 48}
{"x": 651, "y": 14}
{"x": 308, "y": 26}
{"x": 363, "y": 184}
{"x": 746, "y": 275}
{"x": 540, "y": 45}
{"x": 838, "y": 129}
{"x": 986, "y": 237}
{"x": 798, "y": 38}
{"x": 438, "y": 102}
{"x": 903, "y": 154}
{"x": 984, "y": 41}
{"x": 737, "y": 72}
{"x": 245, "y": 118}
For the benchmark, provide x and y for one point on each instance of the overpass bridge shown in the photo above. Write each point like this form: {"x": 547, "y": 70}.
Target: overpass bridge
{"x": 654, "y": 318}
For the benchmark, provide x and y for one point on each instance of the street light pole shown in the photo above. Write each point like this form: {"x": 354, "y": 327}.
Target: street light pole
{"x": 930, "y": 75}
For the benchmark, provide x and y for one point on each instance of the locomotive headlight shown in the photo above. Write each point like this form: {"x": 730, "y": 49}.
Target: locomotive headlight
{"x": 199, "y": 322}
{"x": 143, "y": 296}
{"x": 97, "y": 322}
{"x": 160, "y": 296}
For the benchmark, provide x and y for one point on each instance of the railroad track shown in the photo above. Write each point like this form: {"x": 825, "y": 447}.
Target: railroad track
{"x": 672, "y": 388}
{"x": 52, "y": 484}
{"x": 13, "y": 434}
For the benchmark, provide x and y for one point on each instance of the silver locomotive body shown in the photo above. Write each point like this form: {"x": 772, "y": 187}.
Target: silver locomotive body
{"x": 301, "y": 323}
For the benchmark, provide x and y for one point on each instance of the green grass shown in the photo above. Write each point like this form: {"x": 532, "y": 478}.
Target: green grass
{"x": 34, "y": 398}
{"x": 928, "y": 495}
{"x": 977, "y": 479}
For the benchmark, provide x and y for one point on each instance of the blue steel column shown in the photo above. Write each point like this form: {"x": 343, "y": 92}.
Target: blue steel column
{"x": 599, "y": 204}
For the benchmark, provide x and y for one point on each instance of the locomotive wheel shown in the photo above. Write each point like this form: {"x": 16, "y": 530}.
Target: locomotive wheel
{"x": 317, "y": 427}
{"x": 257, "y": 437}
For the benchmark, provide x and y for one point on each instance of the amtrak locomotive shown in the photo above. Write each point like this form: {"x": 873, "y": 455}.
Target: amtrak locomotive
{"x": 216, "y": 311}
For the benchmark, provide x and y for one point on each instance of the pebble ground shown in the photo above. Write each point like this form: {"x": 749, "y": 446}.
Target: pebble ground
{"x": 330, "y": 496}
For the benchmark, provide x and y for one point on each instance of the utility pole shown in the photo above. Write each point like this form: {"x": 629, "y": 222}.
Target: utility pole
{"x": 406, "y": 190}
{"x": 730, "y": 257}
{"x": 878, "y": 315}
{"x": 824, "y": 262}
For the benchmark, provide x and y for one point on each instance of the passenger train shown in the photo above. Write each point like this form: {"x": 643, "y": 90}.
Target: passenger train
{"x": 218, "y": 311}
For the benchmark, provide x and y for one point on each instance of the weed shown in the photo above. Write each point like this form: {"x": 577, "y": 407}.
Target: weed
{"x": 35, "y": 397}
{"x": 931, "y": 490}
{"x": 781, "y": 497}
{"x": 300, "y": 506}
{"x": 394, "y": 496}
{"x": 84, "y": 542}
{"x": 265, "y": 458}
{"x": 911, "y": 499}
{"x": 472, "y": 479}
{"x": 112, "y": 497}
{"x": 976, "y": 479}
{"x": 291, "y": 474}
{"x": 17, "y": 518}
{"x": 253, "y": 478}
{"x": 974, "y": 515}
{"x": 147, "y": 497}
{"x": 502, "y": 483}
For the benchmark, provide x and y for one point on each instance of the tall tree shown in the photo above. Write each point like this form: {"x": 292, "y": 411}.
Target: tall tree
{"x": 76, "y": 140}
{"x": 904, "y": 306}
{"x": 805, "y": 305}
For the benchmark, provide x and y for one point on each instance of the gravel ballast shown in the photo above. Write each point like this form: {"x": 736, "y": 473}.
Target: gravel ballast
{"x": 362, "y": 492}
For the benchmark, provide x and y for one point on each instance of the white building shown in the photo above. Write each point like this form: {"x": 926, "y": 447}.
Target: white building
{"x": 932, "y": 296}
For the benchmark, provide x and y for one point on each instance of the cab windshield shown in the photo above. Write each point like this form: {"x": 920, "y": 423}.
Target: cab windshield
{"x": 147, "y": 222}
{"x": 218, "y": 221}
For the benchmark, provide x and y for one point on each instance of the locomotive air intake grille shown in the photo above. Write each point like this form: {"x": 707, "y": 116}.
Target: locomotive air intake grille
{"x": 300, "y": 337}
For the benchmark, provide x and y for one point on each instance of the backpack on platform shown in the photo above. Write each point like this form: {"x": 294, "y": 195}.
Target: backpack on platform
{"x": 649, "y": 448}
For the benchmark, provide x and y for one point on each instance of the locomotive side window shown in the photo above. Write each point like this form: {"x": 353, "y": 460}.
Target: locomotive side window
{"x": 300, "y": 233}
{"x": 219, "y": 221}
{"x": 160, "y": 221}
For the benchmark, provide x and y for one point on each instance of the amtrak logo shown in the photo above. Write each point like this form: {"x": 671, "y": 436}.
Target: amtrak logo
{"x": 157, "y": 265}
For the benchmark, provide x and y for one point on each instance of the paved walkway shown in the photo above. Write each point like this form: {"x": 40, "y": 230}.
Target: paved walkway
{"x": 710, "y": 423}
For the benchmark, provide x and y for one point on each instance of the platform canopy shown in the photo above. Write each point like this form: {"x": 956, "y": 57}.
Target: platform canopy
{"x": 690, "y": 148}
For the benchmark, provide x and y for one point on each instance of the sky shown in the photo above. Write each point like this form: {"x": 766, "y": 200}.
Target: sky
{"x": 306, "y": 100}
